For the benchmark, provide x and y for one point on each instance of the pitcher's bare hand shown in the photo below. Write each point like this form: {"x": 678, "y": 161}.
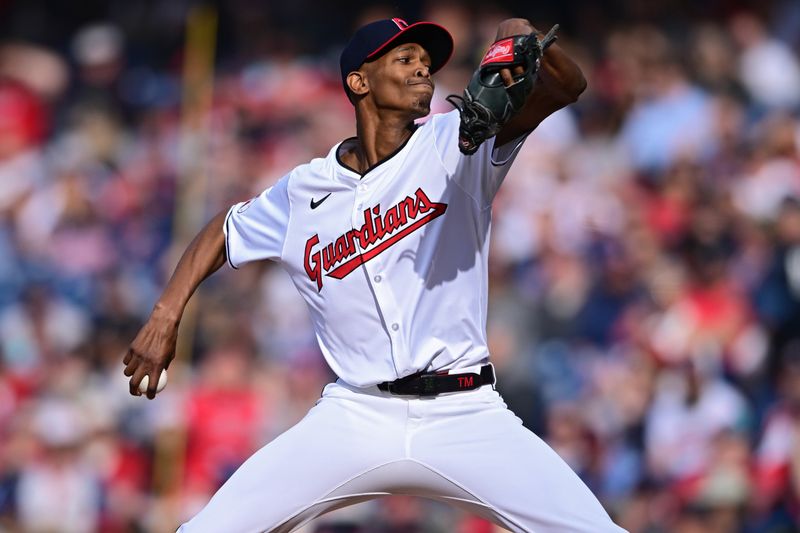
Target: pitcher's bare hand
{"x": 151, "y": 351}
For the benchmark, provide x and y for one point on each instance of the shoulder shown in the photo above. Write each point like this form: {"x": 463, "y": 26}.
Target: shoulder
{"x": 443, "y": 121}
{"x": 312, "y": 171}
{"x": 442, "y": 129}
{"x": 313, "y": 167}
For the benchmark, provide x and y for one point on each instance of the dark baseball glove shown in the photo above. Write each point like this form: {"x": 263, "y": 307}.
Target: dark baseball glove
{"x": 488, "y": 104}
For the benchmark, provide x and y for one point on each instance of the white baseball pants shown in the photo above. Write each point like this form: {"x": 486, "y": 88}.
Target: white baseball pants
{"x": 464, "y": 448}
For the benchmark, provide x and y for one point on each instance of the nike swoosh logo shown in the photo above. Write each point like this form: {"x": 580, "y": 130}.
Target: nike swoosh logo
{"x": 315, "y": 205}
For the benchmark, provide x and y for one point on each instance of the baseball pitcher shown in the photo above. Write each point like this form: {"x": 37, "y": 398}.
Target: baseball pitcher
{"x": 387, "y": 239}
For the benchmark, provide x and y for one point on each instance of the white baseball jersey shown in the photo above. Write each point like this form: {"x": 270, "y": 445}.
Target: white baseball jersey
{"x": 392, "y": 264}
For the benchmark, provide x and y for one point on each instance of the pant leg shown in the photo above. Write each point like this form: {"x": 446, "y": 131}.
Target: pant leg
{"x": 291, "y": 480}
{"x": 476, "y": 442}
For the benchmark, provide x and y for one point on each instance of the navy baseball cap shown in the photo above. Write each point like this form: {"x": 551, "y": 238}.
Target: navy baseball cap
{"x": 376, "y": 38}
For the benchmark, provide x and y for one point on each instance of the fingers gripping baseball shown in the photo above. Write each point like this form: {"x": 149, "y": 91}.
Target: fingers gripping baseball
{"x": 150, "y": 352}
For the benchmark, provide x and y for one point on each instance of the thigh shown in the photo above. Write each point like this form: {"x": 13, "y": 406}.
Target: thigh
{"x": 514, "y": 477}
{"x": 290, "y": 480}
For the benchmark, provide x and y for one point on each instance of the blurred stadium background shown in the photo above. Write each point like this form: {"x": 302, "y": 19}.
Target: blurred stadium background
{"x": 645, "y": 298}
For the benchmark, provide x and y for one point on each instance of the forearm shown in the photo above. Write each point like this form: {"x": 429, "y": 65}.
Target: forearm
{"x": 204, "y": 256}
{"x": 560, "y": 76}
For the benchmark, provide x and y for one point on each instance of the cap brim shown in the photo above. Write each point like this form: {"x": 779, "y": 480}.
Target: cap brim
{"x": 436, "y": 40}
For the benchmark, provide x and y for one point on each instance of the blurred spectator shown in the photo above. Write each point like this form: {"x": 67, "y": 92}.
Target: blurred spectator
{"x": 225, "y": 419}
{"x": 98, "y": 51}
{"x": 670, "y": 117}
{"x": 714, "y": 61}
{"x": 767, "y": 66}
{"x": 40, "y": 329}
{"x": 38, "y": 68}
{"x": 56, "y": 491}
{"x": 614, "y": 289}
{"x": 777, "y": 491}
{"x": 691, "y": 408}
{"x": 778, "y": 296}
{"x": 774, "y": 173}
{"x": 22, "y": 129}
{"x": 516, "y": 380}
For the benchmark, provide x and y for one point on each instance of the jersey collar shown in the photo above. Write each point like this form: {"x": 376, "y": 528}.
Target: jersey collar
{"x": 343, "y": 169}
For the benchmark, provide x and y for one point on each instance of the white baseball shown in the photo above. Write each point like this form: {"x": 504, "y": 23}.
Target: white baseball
{"x": 162, "y": 382}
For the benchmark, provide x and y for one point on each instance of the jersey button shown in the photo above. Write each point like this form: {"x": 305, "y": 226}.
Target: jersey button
{"x": 395, "y": 326}
{"x": 377, "y": 278}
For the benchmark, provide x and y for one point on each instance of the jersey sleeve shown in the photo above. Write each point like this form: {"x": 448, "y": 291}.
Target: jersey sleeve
{"x": 481, "y": 173}
{"x": 256, "y": 229}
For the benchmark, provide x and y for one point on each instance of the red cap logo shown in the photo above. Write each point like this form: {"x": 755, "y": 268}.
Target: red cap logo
{"x": 402, "y": 24}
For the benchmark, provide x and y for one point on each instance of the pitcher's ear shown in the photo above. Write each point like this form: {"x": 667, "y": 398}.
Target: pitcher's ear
{"x": 357, "y": 83}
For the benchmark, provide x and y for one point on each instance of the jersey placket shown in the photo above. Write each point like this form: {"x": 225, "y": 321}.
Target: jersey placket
{"x": 381, "y": 288}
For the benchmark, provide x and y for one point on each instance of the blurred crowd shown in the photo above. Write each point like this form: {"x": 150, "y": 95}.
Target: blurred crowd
{"x": 644, "y": 312}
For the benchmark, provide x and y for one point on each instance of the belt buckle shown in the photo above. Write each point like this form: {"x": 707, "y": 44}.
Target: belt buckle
{"x": 427, "y": 385}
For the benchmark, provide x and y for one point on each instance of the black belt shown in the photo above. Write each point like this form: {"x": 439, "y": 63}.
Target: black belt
{"x": 433, "y": 383}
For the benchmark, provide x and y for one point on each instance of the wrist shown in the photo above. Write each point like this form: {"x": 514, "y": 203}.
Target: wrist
{"x": 166, "y": 314}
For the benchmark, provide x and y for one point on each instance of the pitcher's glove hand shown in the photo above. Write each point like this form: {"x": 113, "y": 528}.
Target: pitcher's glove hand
{"x": 488, "y": 104}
